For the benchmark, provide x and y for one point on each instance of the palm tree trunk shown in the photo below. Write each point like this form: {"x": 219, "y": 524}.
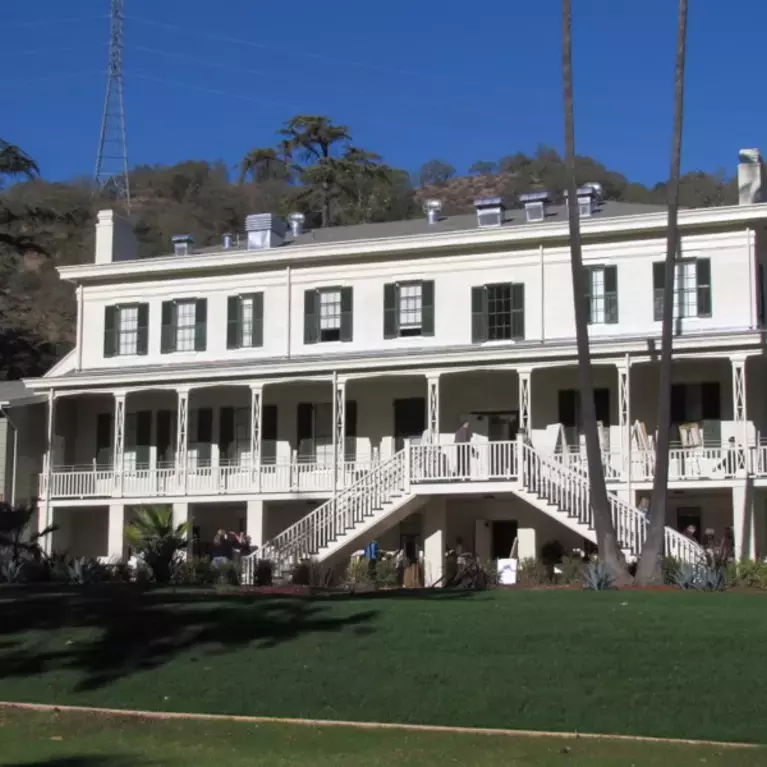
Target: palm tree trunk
{"x": 609, "y": 549}
{"x": 325, "y": 203}
{"x": 650, "y": 567}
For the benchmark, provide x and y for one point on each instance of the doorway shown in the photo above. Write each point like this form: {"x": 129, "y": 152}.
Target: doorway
{"x": 503, "y": 536}
{"x": 409, "y": 420}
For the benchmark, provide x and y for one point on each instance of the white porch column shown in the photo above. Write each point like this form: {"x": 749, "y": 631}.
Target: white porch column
{"x": 182, "y": 442}
{"x": 116, "y": 530}
{"x": 118, "y": 441}
{"x": 181, "y": 515}
{"x": 624, "y": 417}
{"x": 739, "y": 413}
{"x": 524, "y": 374}
{"x": 45, "y": 513}
{"x": 743, "y": 527}
{"x": 255, "y": 522}
{"x": 256, "y": 418}
{"x": 434, "y": 537}
{"x": 339, "y": 427}
{"x": 432, "y": 422}
{"x": 527, "y": 538}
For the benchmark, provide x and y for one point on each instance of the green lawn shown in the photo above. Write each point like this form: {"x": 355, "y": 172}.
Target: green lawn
{"x": 668, "y": 664}
{"x": 81, "y": 740}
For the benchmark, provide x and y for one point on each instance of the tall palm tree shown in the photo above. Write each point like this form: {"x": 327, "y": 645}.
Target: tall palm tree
{"x": 15, "y": 162}
{"x": 262, "y": 165}
{"x": 609, "y": 548}
{"x": 313, "y": 139}
{"x": 649, "y": 569}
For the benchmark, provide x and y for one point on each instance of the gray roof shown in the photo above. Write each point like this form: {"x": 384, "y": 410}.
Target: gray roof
{"x": 14, "y": 393}
{"x": 461, "y": 222}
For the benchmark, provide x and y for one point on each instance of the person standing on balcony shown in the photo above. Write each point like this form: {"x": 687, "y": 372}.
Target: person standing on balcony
{"x": 462, "y": 439}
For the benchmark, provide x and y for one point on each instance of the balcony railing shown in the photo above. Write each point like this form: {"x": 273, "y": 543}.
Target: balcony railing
{"x": 478, "y": 462}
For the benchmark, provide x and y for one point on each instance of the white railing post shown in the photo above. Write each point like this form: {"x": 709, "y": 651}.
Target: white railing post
{"x": 118, "y": 450}
{"x": 407, "y": 467}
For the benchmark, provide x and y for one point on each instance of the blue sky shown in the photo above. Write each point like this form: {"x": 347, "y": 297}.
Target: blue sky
{"x": 413, "y": 79}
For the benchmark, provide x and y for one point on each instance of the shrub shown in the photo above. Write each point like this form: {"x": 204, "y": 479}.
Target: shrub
{"x": 552, "y": 553}
{"x": 357, "y": 573}
{"x": 157, "y": 540}
{"x": 12, "y": 571}
{"x": 227, "y": 574}
{"x": 670, "y": 568}
{"x": 386, "y": 573}
{"x": 533, "y": 573}
{"x": 193, "y": 571}
{"x": 264, "y": 571}
{"x": 572, "y": 570}
{"x": 700, "y": 577}
{"x": 84, "y": 571}
{"x": 751, "y": 575}
{"x": 597, "y": 577}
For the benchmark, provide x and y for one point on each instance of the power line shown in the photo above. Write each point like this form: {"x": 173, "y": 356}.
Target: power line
{"x": 37, "y": 51}
{"x": 51, "y": 78}
{"x": 42, "y": 22}
{"x": 308, "y": 54}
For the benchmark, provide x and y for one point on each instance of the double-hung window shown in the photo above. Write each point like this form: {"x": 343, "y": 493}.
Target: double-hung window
{"x": 602, "y": 295}
{"x": 692, "y": 288}
{"x": 409, "y": 309}
{"x": 184, "y": 325}
{"x": 498, "y": 312}
{"x": 245, "y": 321}
{"x": 126, "y": 330}
{"x": 328, "y": 315}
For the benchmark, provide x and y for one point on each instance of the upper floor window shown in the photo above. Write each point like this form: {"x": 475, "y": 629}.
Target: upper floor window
{"x": 184, "y": 325}
{"x": 602, "y": 295}
{"x": 498, "y": 312}
{"x": 409, "y": 309}
{"x": 328, "y": 315}
{"x": 692, "y": 288}
{"x": 245, "y": 321}
{"x": 126, "y": 330}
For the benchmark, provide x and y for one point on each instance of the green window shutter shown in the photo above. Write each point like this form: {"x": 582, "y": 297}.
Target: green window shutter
{"x": 143, "y": 437}
{"x": 611, "y": 294}
{"x": 258, "y": 320}
{"x": 304, "y": 427}
{"x": 142, "y": 334}
{"x": 205, "y": 425}
{"x": 390, "y": 324}
{"x": 168, "y": 330}
{"x": 311, "y": 317}
{"x": 518, "y": 310}
{"x": 427, "y": 308}
{"x": 233, "y": 323}
{"x": 479, "y": 314}
{"x": 201, "y": 325}
{"x": 225, "y": 431}
{"x": 164, "y": 435}
{"x": 703, "y": 278}
{"x": 588, "y": 274}
{"x": 103, "y": 432}
{"x": 110, "y": 330}
{"x": 347, "y": 314}
{"x": 269, "y": 423}
{"x": 658, "y": 282}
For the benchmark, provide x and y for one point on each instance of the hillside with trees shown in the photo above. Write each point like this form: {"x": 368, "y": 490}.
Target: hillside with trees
{"x": 313, "y": 167}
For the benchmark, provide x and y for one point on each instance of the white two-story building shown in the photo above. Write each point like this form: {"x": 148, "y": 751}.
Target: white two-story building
{"x": 310, "y": 386}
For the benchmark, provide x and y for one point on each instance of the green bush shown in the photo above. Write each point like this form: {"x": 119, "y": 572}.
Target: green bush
{"x": 747, "y": 574}
{"x": 357, "y": 574}
{"x": 670, "y": 566}
{"x": 157, "y": 540}
{"x": 264, "y": 572}
{"x": 533, "y": 573}
{"x": 386, "y": 573}
{"x": 194, "y": 571}
{"x": 572, "y": 570}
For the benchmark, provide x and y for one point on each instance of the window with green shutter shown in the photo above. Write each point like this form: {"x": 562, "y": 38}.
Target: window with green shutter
{"x": 602, "y": 295}
{"x": 409, "y": 309}
{"x": 245, "y": 321}
{"x": 498, "y": 312}
{"x": 126, "y": 330}
{"x": 184, "y": 325}
{"x": 692, "y": 288}
{"x": 328, "y": 315}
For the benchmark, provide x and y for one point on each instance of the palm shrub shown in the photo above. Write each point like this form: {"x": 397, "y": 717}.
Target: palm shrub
{"x": 157, "y": 540}
{"x": 15, "y": 532}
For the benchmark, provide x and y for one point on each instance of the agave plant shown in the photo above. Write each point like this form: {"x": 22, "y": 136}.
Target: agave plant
{"x": 597, "y": 577}
{"x": 11, "y": 571}
{"x": 84, "y": 571}
{"x": 700, "y": 577}
{"x": 157, "y": 540}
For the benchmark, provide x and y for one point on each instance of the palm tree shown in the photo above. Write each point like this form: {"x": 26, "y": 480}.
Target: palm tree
{"x": 609, "y": 549}
{"x": 156, "y": 539}
{"x": 16, "y": 534}
{"x": 262, "y": 165}
{"x": 649, "y": 569}
{"x": 15, "y": 162}
{"x": 312, "y": 139}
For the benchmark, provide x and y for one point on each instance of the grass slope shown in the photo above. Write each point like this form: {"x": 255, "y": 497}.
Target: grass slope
{"x": 81, "y": 740}
{"x": 664, "y": 664}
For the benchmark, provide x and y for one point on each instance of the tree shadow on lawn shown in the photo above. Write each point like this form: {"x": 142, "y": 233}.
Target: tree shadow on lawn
{"x": 82, "y": 761}
{"x": 127, "y": 630}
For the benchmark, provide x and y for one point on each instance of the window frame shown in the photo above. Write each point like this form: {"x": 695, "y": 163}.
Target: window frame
{"x": 609, "y": 296}
{"x": 481, "y": 312}
{"x": 703, "y": 288}
{"x": 113, "y": 332}
{"x": 312, "y": 314}
{"x": 235, "y": 331}
{"x": 170, "y": 327}
{"x": 392, "y": 306}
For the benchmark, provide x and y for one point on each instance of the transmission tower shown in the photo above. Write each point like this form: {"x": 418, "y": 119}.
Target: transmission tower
{"x": 112, "y": 159}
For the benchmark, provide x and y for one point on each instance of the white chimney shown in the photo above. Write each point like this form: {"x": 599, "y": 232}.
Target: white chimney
{"x": 433, "y": 208}
{"x": 265, "y": 230}
{"x": 750, "y": 172}
{"x": 115, "y": 240}
{"x": 183, "y": 244}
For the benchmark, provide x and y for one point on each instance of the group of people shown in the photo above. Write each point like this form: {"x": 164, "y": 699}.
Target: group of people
{"x": 230, "y": 547}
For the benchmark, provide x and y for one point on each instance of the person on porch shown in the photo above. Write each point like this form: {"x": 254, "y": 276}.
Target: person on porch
{"x": 462, "y": 438}
{"x": 371, "y": 554}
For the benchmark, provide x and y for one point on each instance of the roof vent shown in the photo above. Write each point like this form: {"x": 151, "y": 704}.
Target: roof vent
{"x": 183, "y": 244}
{"x": 296, "y": 223}
{"x": 535, "y": 206}
{"x": 265, "y": 230}
{"x": 599, "y": 192}
{"x": 226, "y": 241}
{"x": 490, "y": 211}
{"x": 433, "y": 208}
{"x": 587, "y": 200}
